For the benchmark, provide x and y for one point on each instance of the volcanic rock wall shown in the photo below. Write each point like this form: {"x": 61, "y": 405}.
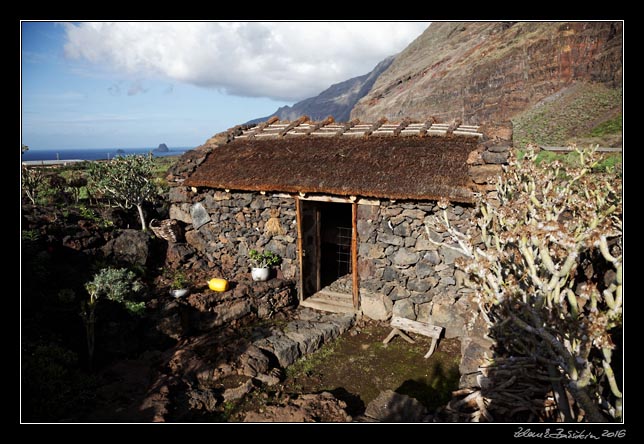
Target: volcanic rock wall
{"x": 489, "y": 71}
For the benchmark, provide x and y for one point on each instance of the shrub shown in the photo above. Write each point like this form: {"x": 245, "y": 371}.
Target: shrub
{"x": 263, "y": 259}
{"x": 180, "y": 281}
{"x": 126, "y": 181}
{"x": 32, "y": 180}
{"x": 115, "y": 284}
{"x": 548, "y": 276}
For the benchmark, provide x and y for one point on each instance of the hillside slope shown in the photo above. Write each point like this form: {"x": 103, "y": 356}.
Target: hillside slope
{"x": 492, "y": 71}
{"x": 584, "y": 113}
{"x": 338, "y": 100}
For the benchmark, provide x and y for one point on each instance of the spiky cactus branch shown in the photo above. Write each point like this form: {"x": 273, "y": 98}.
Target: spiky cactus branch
{"x": 537, "y": 295}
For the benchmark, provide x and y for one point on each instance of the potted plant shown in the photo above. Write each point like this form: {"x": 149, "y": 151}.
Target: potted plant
{"x": 261, "y": 262}
{"x": 180, "y": 286}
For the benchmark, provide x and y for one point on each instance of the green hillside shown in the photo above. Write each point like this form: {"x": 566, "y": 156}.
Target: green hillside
{"x": 583, "y": 113}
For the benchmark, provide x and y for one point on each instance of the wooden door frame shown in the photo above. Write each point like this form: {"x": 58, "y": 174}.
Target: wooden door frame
{"x": 354, "y": 248}
{"x": 354, "y": 256}
{"x": 300, "y": 241}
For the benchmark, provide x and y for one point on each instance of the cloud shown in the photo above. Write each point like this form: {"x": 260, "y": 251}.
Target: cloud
{"x": 136, "y": 88}
{"x": 284, "y": 61}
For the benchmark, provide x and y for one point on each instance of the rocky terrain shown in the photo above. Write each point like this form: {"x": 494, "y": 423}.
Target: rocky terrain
{"x": 490, "y": 71}
{"x": 182, "y": 360}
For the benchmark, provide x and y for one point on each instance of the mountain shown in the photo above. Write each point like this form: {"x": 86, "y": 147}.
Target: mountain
{"x": 162, "y": 148}
{"x": 557, "y": 81}
{"x": 336, "y": 101}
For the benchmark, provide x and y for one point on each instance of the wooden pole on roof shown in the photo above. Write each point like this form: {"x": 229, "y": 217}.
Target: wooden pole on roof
{"x": 294, "y": 124}
{"x": 375, "y": 126}
{"x": 317, "y": 125}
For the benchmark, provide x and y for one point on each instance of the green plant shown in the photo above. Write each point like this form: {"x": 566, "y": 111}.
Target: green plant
{"x": 115, "y": 284}
{"x": 127, "y": 181}
{"x": 548, "y": 278}
{"x": 180, "y": 281}
{"x": 136, "y": 308}
{"x": 263, "y": 259}
{"x": 90, "y": 214}
{"x": 612, "y": 126}
{"x": 77, "y": 183}
{"x": 32, "y": 182}
{"x": 30, "y": 235}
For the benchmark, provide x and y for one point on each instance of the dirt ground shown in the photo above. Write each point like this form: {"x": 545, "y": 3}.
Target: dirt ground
{"x": 356, "y": 367}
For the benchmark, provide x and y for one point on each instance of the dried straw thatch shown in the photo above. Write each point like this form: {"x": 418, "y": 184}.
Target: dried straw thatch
{"x": 420, "y": 168}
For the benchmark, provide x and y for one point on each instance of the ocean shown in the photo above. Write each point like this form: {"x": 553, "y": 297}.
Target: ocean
{"x": 95, "y": 153}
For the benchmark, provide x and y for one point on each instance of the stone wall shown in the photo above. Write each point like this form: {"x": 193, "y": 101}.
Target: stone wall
{"x": 402, "y": 272}
{"x": 485, "y": 164}
{"x": 223, "y": 226}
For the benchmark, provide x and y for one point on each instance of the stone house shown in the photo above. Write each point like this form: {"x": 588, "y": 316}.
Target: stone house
{"x": 346, "y": 206}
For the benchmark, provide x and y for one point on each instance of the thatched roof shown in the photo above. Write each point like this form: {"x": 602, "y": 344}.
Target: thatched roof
{"x": 398, "y": 161}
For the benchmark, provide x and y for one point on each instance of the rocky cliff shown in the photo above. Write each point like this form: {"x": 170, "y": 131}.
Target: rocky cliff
{"x": 491, "y": 71}
{"x": 337, "y": 100}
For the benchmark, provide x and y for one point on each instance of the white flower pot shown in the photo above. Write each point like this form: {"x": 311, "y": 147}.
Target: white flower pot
{"x": 179, "y": 293}
{"x": 260, "y": 274}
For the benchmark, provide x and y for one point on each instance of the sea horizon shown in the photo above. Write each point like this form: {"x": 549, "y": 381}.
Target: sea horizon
{"x": 37, "y": 154}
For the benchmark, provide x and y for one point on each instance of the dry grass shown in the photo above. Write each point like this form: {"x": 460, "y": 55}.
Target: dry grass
{"x": 584, "y": 114}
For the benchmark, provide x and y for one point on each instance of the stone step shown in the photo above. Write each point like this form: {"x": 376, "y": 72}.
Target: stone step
{"x": 334, "y": 295}
{"x": 298, "y": 338}
{"x": 328, "y": 305}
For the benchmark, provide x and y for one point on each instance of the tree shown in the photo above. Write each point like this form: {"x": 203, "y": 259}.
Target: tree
{"x": 115, "y": 284}
{"x": 32, "y": 181}
{"x": 23, "y": 148}
{"x": 126, "y": 180}
{"x": 548, "y": 276}
{"x": 76, "y": 182}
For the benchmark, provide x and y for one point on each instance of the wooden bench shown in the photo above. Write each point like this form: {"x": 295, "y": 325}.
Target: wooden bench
{"x": 401, "y": 325}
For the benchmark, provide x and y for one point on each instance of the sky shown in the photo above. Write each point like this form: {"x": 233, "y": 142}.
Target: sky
{"x": 139, "y": 84}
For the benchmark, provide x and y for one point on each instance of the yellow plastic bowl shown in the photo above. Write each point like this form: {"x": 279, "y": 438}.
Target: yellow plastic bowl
{"x": 218, "y": 284}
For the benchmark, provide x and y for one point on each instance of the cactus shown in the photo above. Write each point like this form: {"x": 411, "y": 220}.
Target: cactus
{"x": 548, "y": 273}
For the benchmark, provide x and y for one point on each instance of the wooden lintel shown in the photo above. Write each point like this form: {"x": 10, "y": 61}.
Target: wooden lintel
{"x": 364, "y": 201}
{"x": 351, "y": 199}
{"x": 325, "y": 198}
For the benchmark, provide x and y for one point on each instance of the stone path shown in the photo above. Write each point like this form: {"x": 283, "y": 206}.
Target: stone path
{"x": 265, "y": 358}
{"x": 304, "y": 335}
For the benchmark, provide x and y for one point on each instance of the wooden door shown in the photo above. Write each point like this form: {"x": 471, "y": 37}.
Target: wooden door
{"x": 309, "y": 242}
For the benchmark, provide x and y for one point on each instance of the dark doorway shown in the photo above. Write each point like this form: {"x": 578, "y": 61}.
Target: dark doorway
{"x": 326, "y": 244}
